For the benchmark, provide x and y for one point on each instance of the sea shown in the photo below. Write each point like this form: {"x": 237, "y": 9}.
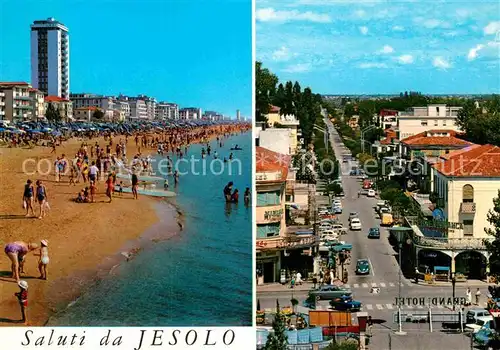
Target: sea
{"x": 200, "y": 277}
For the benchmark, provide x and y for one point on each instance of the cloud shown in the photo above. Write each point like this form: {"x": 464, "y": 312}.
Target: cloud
{"x": 405, "y": 59}
{"x": 398, "y": 28}
{"x": 363, "y": 30}
{"x": 282, "y": 54}
{"x": 441, "y": 62}
{"x": 492, "y": 28}
{"x": 472, "y": 55}
{"x": 372, "y": 65}
{"x": 271, "y": 15}
{"x": 298, "y": 68}
{"x": 387, "y": 49}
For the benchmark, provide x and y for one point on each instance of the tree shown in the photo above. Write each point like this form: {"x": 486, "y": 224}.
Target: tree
{"x": 481, "y": 123}
{"x": 265, "y": 87}
{"x": 278, "y": 339}
{"x": 52, "y": 114}
{"x": 344, "y": 345}
{"x": 334, "y": 188}
{"x": 304, "y": 162}
{"x": 98, "y": 114}
{"x": 493, "y": 246}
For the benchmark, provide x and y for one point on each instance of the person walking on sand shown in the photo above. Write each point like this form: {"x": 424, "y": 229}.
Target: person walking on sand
{"x": 44, "y": 259}
{"x": 93, "y": 190}
{"x": 135, "y": 185}
{"x": 93, "y": 172}
{"x": 22, "y": 297}
{"x": 110, "y": 187}
{"x": 16, "y": 252}
{"x": 28, "y": 198}
{"x": 41, "y": 196}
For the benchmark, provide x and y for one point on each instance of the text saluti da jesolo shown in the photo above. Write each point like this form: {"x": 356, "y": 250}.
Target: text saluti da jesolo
{"x": 430, "y": 301}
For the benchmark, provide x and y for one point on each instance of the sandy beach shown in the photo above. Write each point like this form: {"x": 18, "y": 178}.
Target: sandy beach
{"x": 80, "y": 236}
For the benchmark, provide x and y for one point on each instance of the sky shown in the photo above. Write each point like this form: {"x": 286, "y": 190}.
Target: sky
{"x": 195, "y": 53}
{"x": 382, "y": 46}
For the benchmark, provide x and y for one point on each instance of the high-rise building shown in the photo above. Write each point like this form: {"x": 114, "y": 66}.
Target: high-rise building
{"x": 238, "y": 116}
{"x": 50, "y": 57}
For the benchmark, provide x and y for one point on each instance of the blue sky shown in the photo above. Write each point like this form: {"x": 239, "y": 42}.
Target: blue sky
{"x": 195, "y": 53}
{"x": 356, "y": 46}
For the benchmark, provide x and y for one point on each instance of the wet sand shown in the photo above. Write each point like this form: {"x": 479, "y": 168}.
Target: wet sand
{"x": 85, "y": 240}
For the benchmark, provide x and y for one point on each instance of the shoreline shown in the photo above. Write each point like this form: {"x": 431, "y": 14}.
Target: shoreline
{"x": 73, "y": 267}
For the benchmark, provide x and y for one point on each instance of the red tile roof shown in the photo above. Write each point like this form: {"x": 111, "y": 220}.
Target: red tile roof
{"x": 390, "y": 134}
{"x": 473, "y": 161}
{"x": 55, "y": 99}
{"x": 269, "y": 161}
{"x": 274, "y": 109}
{"x": 423, "y": 140}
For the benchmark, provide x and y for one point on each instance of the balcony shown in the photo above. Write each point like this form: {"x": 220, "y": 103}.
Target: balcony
{"x": 24, "y": 107}
{"x": 449, "y": 243}
{"x": 23, "y": 98}
{"x": 467, "y": 208}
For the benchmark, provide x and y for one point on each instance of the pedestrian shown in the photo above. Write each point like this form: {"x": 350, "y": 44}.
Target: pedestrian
{"x": 44, "y": 259}
{"x": 478, "y": 296}
{"x": 28, "y": 197}
{"x": 369, "y": 324}
{"x": 298, "y": 280}
{"x": 22, "y": 297}
{"x": 468, "y": 297}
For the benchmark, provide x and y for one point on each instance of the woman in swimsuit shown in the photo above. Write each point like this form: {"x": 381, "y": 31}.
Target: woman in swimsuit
{"x": 28, "y": 197}
{"x": 16, "y": 252}
{"x": 41, "y": 196}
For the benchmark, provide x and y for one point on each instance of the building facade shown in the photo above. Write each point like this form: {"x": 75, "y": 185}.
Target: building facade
{"x": 37, "y": 103}
{"x": 190, "y": 113}
{"x": 167, "y": 110}
{"x": 421, "y": 119}
{"x": 18, "y": 104}
{"x": 2, "y": 105}
{"x": 138, "y": 108}
{"x": 63, "y": 106}
{"x": 50, "y": 57}
{"x": 431, "y": 144}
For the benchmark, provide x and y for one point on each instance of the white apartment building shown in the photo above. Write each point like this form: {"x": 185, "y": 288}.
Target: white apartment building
{"x": 212, "y": 115}
{"x": 421, "y": 119}
{"x": 138, "y": 108}
{"x": 105, "y": 103}
{"x": 50, "y": 57}
{"x": 17, "y": 100}
{"x": 192, "y": 113}
{"x": 2, "y": 105}
{"x": 166, "y": 110}
{"x": 123, "y": 107}
{"x": 37, "y": 103}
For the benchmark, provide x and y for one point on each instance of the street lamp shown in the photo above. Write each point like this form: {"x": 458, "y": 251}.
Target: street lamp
{"x": 400, "y": 234}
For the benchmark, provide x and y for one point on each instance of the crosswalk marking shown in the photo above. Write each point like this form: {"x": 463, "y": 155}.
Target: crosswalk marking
{"x": 356, "y": 285}
{"x": 369, "y": 307}
{"x": 365, "y": 285}
{"x": 389, "y": 306}
{"x": 374, "y": 284}
{"x": 380, "y": 307}
{"x": 382, "y": 284}
{"x": 391, "y": 284}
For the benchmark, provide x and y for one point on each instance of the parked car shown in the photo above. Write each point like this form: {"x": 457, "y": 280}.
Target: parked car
{"x": 352, "y": 215}
{"x": 481, "y": 322}
{"x": 473, "y": 315}
{"x": 371, "y": 193}
{"x": 374, "y": 232}
{"x": 325, "y": 226}
{"x": 337, "y": 203}
{"x": 329, "y": 292}
{"x": 355, "y": 224}
{"x": 337, "y": 210}
{"x": 345, "y": 303}
{"x": 362, "y": 267}
{"x": 323, "y": 212}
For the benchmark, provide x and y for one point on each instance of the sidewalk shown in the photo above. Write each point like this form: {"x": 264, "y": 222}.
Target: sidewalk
{"x": 278, "y": 287}
{"x": 472, "y": 283}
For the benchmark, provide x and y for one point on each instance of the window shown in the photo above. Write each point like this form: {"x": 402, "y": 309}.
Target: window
{"x": 444, "y": 122}
{"x": 423, "y": 123}
{"x": 468, "y": 227}
{"x": 268, "y": 230}
{"x": 435, "y": 122}
{"x": 468, "y": 194}
{"x": 268, "y": 198}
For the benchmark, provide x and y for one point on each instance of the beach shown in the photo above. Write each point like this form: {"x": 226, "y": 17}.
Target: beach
{"x": 85, "y": 240}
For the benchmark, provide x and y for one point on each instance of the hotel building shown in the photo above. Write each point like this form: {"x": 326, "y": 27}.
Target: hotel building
{"x": 420, "y": 119}
{"x": 50, "y": 57}
{"x": 17, "y": 99}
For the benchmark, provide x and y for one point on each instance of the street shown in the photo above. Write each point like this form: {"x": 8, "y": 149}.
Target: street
{"x": 384, "y": 274}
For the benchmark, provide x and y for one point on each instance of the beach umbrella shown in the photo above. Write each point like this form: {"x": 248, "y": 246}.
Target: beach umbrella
{"x": 2, "y": 129}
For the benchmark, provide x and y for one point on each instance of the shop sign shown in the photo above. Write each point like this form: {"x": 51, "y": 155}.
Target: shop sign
{"x": 439, "y": 225}
{"x": 301, "y": 242}
{"x": 271, "y": 176}
{"x": 432, "y": 301}
{"x": 273, "y": 214}
{"x": 261, "y": 244}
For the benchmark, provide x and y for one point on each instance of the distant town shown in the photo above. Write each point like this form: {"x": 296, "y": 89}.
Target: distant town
{"x": 48, "y": 97}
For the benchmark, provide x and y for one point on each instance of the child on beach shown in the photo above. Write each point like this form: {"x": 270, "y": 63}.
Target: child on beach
{"x": 119, "y": 188}
{"x": 22, "y": 297}
{"x": 44, "y": 259}
{"x": 72, "y": 175}
{"x": 93, "y": 190}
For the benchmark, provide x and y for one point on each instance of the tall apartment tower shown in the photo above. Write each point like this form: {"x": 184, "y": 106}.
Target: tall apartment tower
{"x": 50, "y": 57}
{"x": 238, "y": 117}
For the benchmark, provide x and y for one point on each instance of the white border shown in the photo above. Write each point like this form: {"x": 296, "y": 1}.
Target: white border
{"x": 254, "y": 190}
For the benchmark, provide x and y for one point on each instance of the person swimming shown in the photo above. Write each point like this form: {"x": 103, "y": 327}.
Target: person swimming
{"x": 246, "y": 196}
{"x": 227, "y": 191}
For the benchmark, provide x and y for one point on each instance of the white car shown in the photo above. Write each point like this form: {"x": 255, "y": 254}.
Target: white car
{"x": 355, "y": 224}
{"x": 325, "y": 227}
{"x": 371, "y": 193}
{"x": 337, "y": 203}
{"x": 480, "y": 323}
{"x": 323, "y": 212}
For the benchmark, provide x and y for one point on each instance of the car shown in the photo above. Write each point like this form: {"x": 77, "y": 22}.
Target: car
{"x": 374, "y": 232}
{"x": 345, "y": 303}
{"x": 337, "y": 210}
{"x": 323, "y": 212}
{"x": 473, "y": 315}
{"x": 337, "y": 202}
{"x": 371, "y": 193}
{"x": 329, "y": 292}
{"x": 362, "y": 267}
{"x": 355, "y": 224}
{"x": 481, "y": 322}
{"x": 325, "y": 226}
{"x": 352, "y": 215}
